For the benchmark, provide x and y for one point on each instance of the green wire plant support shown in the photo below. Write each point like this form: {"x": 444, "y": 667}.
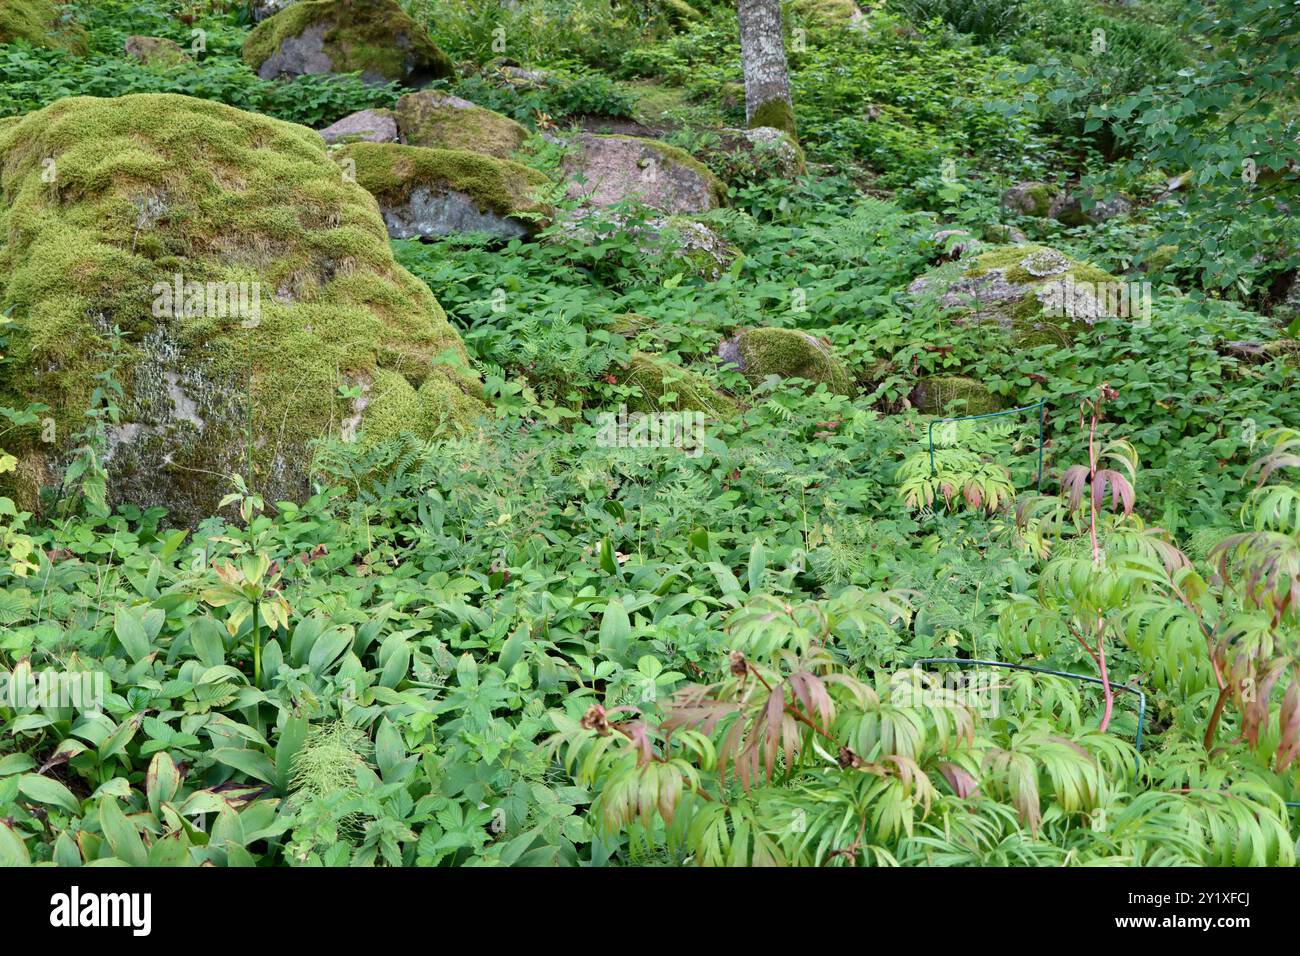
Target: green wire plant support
{"x": 1042, "y": 426}
{"x": 1142, "y": 697}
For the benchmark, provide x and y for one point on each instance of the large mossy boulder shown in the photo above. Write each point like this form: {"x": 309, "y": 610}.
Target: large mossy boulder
{"x": 786, "y": 353}
{"x": 42, "y": 23}
{"x": 441, "y": 121}
{"x": 1034, "y": 293}
{"x": 256, "y": 296}
{"x": 375, "y": 37}
{"x": 439, "y": 192}
{"x": 603, "y": 171}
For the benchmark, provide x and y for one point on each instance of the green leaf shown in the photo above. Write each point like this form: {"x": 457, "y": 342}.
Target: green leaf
{"x": 49, "y": 791}
{"x": 615, "y": 630}
{"x": 121, "y": 834}
{"x": 252, "y": 762}
{"x": 514, "y": 648}
{"x": 329, "y": 647}
{"x": 161, "y": 781}
{"x": 130, "y": 630}
{"x": 13, "y": 852}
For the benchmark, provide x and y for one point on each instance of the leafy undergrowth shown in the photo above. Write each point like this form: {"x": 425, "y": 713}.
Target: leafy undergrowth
{"x": 543, "y": 643}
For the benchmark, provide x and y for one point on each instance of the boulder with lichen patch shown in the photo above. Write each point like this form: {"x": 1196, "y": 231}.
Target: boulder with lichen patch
{"x": 42, "y": 23}
{"x": 441, "y": 121}
{"x": 155, "y": 51}
{"x": 374, "y": 37}
{"x": 439, "y": 192}
{"x": 603, "y": 171}
{"x": 786, "y": 353}
{"x": 364, "y": 126}
{"x": 1032, "y": 292}
{"x": 254, "y": 289}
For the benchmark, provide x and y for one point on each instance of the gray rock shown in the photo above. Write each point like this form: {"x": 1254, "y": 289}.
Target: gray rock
{"x": 605, "y": 170}
{"x": 433, "y": 212}
{"x": 299, "y": 56}
{"x": 369, "y": 126}
{"x": 266, "y": 8}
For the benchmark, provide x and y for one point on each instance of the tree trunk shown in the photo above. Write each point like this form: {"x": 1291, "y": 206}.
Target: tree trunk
{"x": 762, "y": 53}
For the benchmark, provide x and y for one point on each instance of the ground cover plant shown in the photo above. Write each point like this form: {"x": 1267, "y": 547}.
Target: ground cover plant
{"x": 714, "y": 542}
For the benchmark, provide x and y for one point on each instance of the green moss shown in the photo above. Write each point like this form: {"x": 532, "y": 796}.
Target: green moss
{"x": 954, "y": 395}
{"x": 152, "y": 185}
{"x": 657, "y": 378}
{"x": 390, "y": 171}
{"x": 837, "y": 12}
{"x": 41, "y": 23}
{"x": 778, "y": 114}
{"x": 1161, "y": 258}
{"x": 442, "y": 122}
{"x": 680, "y": 12}
{"x": 789, "y": 353}
{"x": 360, "y": 35}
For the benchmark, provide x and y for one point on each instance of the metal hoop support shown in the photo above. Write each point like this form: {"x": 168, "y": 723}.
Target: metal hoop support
{"x": 1142, "y": 697}
{"x": 1042, "y": 427}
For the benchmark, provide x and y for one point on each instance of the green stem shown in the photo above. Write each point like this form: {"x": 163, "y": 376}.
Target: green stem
{"x": 257, "y": 650}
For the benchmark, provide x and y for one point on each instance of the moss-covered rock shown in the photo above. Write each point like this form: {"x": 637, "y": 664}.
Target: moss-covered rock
{"x": 1034, "y": 293}
{"x": 1034, "y": 199}
{"x": 954, "y": 395}
{"x": 42, "y": 23}
{"x": 441, "y": 121}
{"x": 437, "y": 192}
{"x": 665, "y": 386}
{"x": 155, "y": 51}
{"x": 375, "y": 37}
{"x": 250, "y": 282}
{"x": 606, "y": 170}
{"x": 786, "y": 353}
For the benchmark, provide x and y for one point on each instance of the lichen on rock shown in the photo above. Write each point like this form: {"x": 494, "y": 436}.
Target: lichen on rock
{"x": 374, "y": 37}
{"x": 441, "y": 121}
{"x": 1033, "y": 292}
{"x": 436, "y": 192}
{"x": 786, "y": 353}
{"x": 157, "y": 201}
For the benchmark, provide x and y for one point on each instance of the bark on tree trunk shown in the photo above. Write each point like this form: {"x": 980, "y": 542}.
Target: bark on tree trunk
{"x": 762, "y": 53}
